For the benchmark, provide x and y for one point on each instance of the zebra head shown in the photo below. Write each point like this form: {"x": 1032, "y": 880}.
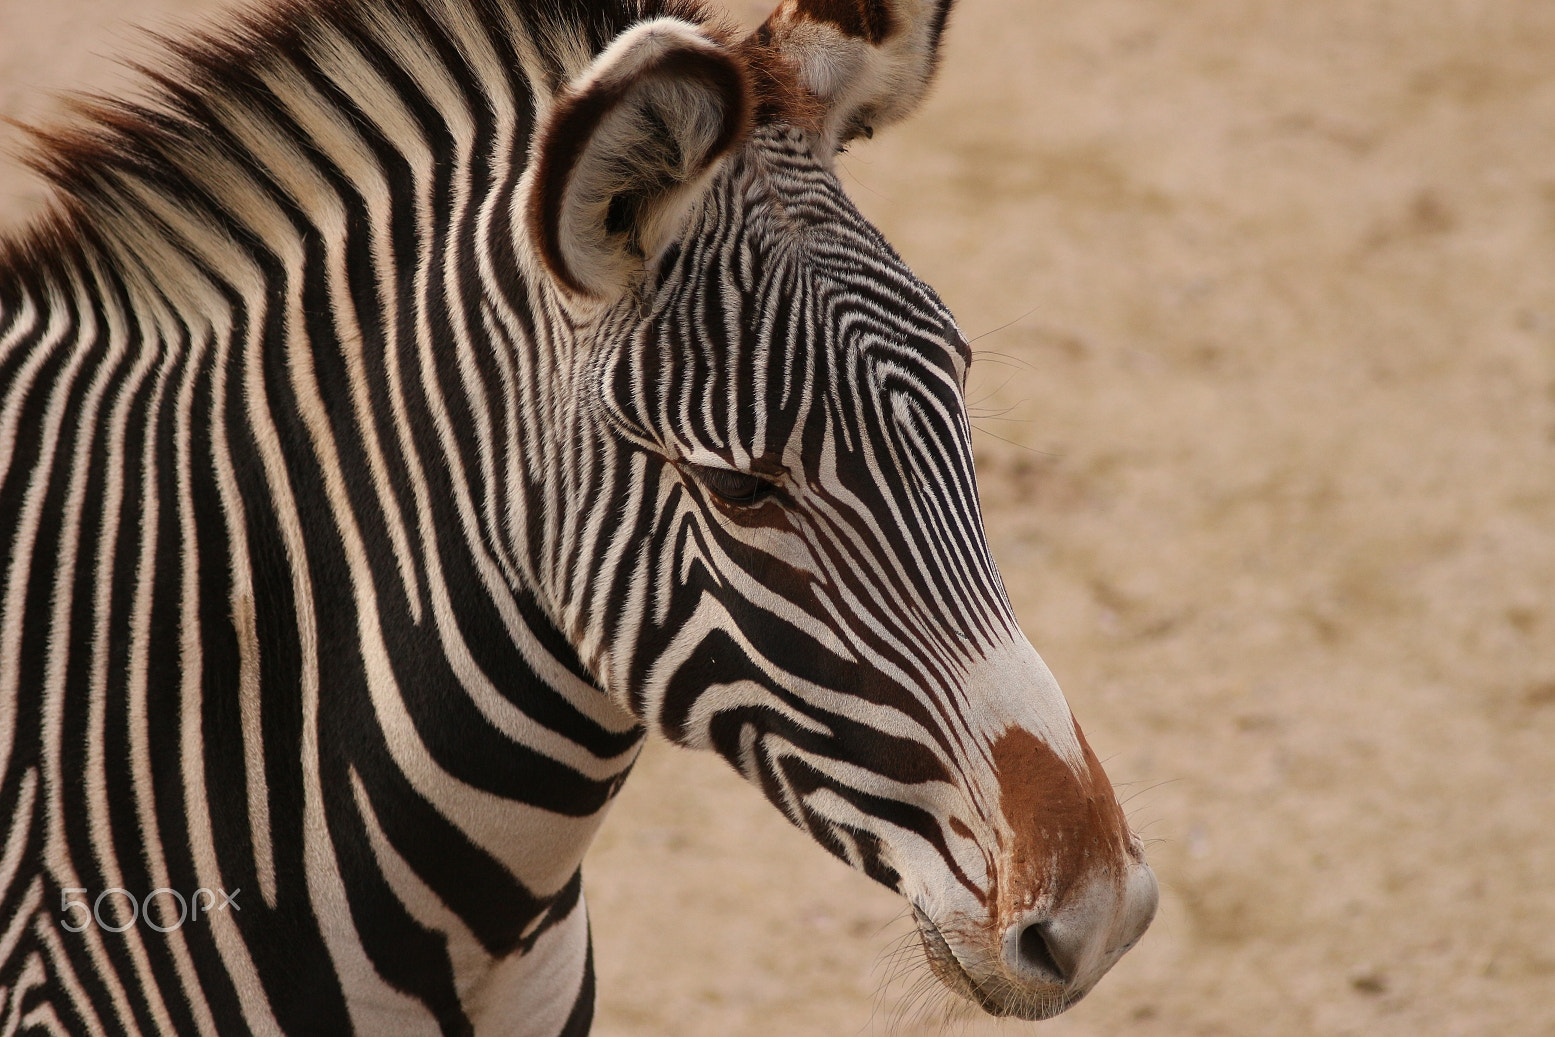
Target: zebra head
{"x": 788, "y": 563}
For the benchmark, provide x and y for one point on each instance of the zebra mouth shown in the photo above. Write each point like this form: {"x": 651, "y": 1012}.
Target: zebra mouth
{"x": 1002, "y": 997}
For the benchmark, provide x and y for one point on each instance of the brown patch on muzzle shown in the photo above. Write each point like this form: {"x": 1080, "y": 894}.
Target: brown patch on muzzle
{"x": 1067, "y": 826}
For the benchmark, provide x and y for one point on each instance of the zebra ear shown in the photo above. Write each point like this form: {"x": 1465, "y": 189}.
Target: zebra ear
{"x": 869, "y": 62}
{"x": 627, "y": 148}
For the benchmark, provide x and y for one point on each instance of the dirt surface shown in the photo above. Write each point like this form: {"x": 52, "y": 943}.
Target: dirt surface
{"x": 1266, "y": 293}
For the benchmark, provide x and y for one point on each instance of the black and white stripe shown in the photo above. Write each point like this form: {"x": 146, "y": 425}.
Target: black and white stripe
{"x": 348, "y": 549}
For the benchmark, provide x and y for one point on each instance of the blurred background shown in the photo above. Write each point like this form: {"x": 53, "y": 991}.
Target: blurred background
{"x": 1264, "y": 299}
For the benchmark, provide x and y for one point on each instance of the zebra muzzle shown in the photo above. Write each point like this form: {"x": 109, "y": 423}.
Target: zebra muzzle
{"x": 1046, "y": 959}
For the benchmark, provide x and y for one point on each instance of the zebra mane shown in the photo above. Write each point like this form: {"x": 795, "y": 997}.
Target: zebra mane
{"x": 109, "y": 142}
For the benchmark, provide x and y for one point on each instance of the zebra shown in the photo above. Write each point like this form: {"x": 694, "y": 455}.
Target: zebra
{"x": 406, "y": 407}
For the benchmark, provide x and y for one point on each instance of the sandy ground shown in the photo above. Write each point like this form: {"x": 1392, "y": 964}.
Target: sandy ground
{"x": 1266, "y": 293}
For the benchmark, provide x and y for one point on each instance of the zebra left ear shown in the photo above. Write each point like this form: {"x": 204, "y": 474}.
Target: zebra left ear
{"x": 628, "y": 147}
{"x": 869, "y": 62}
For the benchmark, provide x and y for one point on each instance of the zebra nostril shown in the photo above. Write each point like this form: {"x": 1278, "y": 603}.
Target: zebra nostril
{"x": 1036, "y": 952}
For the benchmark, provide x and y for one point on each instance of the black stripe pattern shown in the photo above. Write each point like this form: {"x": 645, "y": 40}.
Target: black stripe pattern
{"x": 343, "y": 564}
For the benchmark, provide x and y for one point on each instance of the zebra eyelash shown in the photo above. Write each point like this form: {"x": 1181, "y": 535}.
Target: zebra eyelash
{"x": 734, "y": 487}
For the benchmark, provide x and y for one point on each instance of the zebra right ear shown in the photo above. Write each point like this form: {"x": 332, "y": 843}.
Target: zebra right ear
{"x": 629, "y": 145}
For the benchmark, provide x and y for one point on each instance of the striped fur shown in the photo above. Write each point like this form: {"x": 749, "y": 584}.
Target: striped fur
{"x": 353, "y": 531}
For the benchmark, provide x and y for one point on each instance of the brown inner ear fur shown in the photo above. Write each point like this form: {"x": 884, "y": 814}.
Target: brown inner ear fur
{"x": 578, "y": 116}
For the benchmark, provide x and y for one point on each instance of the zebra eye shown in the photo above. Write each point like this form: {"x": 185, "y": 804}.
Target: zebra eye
{"x": 736, "y": 487}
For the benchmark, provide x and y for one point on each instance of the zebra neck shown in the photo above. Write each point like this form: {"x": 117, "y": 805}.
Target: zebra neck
{"x": 298, "y": 274}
